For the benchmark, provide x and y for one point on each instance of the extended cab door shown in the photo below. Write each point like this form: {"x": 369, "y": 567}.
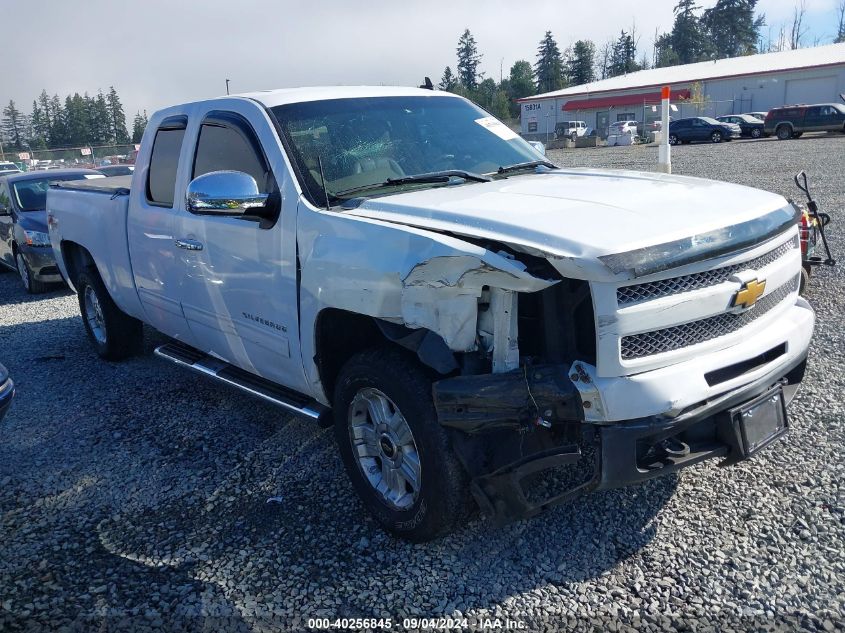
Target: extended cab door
{"x": 151, "y": 222}
{"x": 239, "y": 281}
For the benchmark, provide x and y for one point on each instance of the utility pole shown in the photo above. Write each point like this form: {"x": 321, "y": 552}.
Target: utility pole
{"x": 501, "y": 67}
{"x": 227, "y": 86}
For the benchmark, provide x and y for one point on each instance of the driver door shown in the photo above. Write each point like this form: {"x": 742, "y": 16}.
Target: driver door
{"x": 239, "y": 278}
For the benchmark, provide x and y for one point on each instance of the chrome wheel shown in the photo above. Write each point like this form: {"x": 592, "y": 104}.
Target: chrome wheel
{"x": 384, "y": 447}
{"x": 23, "y": 271}
{"x": 94, "y": 315}
{"x": 716, "y": 137}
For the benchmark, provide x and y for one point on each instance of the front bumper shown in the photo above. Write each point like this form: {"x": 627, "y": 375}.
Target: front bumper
{"x": 42, "y": 263}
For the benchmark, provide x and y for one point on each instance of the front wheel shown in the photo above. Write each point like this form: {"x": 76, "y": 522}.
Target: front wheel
{"x": 756, "y": 133}
{"x": 397, "y": 455}
{"x": 716, "y": 137}
{"x": 115, "y": 334}
{"x": 30, "y": 283}
{"x": 784, "y": 133}
{"x": 673, "y": 140}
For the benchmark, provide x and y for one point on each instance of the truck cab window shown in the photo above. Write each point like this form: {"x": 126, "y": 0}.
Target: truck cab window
{"x": 231, "y": 147}
{"x": 164, "y": 161}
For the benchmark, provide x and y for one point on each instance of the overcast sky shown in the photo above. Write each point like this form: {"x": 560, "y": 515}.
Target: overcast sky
{"x": 161, "y": 52}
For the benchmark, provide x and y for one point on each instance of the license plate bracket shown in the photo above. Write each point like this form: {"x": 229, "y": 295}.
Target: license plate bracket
{"x": 762, "y": 420}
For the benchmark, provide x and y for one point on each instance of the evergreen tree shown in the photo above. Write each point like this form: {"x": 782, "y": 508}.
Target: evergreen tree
{"x": 101, "y": 132}
{"x": 468, "y": 61}
{"x": 732, "y": 28}
{"x": 521, "y": 80}
{"x": 58, "y": 128}
{"x": 117, "y": 118}
{"x": 548, "y": 70}
{"x": 664, "y": 54}
{"x": 77, "y": 122}
{"x": 14, "y": 126}
{"x": 500, "y": 106}
{"x": 448, "y": 81}
{"x": 688, "y": 34}
{"x": 623, "y": 57}
{"x": 139, "y": 123}
{"x": 39, "y": 127}
{"x": 485, "y": 93}
{"x": 582, "y": 65}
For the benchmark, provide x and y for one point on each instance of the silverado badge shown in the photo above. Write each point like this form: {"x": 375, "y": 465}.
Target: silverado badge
{"x": 748, "y": 294}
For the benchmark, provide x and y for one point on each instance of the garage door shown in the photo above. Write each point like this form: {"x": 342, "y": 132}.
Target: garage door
{"x": 816, "y": 90}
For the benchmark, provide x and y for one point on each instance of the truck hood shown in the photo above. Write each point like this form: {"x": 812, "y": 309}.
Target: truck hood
{"x": 577, "y": 213}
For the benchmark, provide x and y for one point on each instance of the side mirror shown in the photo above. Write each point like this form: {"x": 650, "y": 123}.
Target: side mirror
{"x": 224, "y": 193}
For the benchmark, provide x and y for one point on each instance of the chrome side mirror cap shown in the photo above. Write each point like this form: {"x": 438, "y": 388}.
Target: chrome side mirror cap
{"x": 227, "y": 193}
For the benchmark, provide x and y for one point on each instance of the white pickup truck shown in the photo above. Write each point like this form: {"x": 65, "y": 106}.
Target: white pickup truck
{"x": 473, "y": 320}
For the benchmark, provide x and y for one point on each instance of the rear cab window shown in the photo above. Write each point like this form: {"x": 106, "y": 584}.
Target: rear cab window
{"x": 164, "y": 161}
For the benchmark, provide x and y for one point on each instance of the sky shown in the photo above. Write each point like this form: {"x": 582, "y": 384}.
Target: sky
{"x": 162, "y": 52}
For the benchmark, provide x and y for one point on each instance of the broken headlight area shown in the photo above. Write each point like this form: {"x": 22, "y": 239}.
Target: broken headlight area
{"x": 520, "y": 437}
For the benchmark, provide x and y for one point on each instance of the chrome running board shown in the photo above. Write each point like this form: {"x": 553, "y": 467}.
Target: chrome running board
{"x": 219, "y": 370}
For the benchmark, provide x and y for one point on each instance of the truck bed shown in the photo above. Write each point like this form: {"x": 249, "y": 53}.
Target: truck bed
{"x": 114, "y": 185}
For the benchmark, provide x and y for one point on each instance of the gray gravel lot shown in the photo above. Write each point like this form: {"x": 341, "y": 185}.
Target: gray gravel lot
{"x": 134, "y": 495}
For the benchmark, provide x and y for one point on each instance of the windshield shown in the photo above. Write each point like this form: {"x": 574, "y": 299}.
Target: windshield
{"x": 363, "y": 142}
{"x": 31, "y": 195}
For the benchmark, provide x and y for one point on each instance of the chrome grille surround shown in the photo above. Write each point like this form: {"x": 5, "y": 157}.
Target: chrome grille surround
{"x": 627, "y": 295}
{"x": 688, "y": 334}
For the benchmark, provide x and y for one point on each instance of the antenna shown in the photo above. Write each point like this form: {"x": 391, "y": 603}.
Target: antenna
{"x": 323, "y": 181}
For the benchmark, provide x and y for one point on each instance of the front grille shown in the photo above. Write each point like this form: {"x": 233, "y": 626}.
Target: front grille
{"x": 666, "y": 287}
{"x": 680, "y": 336}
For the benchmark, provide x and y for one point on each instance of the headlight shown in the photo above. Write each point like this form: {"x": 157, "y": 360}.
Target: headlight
{"x": 36, "y": 238}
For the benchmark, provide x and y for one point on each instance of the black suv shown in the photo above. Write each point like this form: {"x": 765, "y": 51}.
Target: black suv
{"x": 702, "y": 129}
{"x": 792, "y": 121}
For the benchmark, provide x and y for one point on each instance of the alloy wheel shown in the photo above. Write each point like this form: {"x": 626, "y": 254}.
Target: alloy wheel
{"x": 23, "y": 271}
{"x": 384, "y": 446}
{"x": 94, "y": 315}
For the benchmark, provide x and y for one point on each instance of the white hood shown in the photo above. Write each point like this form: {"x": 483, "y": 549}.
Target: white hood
{"x": 577, "y": 213}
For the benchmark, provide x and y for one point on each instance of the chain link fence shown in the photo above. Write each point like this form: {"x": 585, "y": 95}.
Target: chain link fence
{"x": 89, "y": 156}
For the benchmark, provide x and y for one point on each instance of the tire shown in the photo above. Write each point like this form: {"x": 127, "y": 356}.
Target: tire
{"x": 756, "y": 132}
{"x": 716, "y": 137}
{"x": 114, "y": 334}
{"x": 432, "y": 498}
{"x": 30, "y": 283}
{"x": 805, "y": 279}
{"x": 797, "y": 134}
{"x": 573, "y": 137}
{"x": 673, "y": 140}
{"x": 783, "y": 132}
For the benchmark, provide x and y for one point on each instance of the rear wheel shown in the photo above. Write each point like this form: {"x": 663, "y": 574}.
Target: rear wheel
{"x": 30, "y": 283}
{"x": 805, "y": 279}
{"x": 716, "y": 137}
{"x": 673, "y": 140}
{"x": 115, "y": 334}
{"x": 395, "y": 452}
{"x": 573, "y": 136}
{"x": 783, "y": 132}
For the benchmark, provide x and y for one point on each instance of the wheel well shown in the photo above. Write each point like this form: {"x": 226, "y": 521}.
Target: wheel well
{"x": 76, "y": 258}
{"x": 339, "y": 335}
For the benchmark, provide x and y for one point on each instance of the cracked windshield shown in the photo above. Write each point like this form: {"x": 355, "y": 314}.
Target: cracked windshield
{"x": 360, "y": 145}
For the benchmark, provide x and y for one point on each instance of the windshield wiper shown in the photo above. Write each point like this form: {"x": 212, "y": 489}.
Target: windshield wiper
{"x": 529, "y": 165}
{"x": 429, "y": 177}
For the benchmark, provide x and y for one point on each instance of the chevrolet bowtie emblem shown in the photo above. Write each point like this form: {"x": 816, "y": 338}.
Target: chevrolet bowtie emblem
{"x": 749, "y": 293}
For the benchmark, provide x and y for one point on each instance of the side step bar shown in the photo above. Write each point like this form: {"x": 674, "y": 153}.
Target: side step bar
{"x": 222, "y": 371}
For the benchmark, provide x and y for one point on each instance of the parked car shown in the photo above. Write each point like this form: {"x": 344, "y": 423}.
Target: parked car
{"x": 623, "y": 127}
{"x": 394, "y": 262}
{"x": 116, "y": 170}
{"x": 792, "y": 121}
{"x": 757, "y": 115}
{"x": 749, "y": 126}
{"x": 702, "y": 129}
{"x": 7, "y": 391}
{"x": 570, "y": 129}
{"x": 7, "y": 166}
{"x": 24, "y": 242}
{"x": 6, "y": 172}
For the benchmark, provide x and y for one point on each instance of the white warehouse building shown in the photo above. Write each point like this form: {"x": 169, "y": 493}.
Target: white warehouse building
{"x": 755, "y": 83}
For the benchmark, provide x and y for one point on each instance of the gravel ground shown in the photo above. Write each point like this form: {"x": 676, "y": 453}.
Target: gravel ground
{"x": 134, "y": 495}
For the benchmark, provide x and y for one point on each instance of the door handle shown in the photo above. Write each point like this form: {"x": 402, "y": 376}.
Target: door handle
{"x": 189, "y": 245}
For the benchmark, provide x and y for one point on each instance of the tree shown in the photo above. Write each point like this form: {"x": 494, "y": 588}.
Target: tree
{"x": 840, "y": 35}
{"x": 732, "y": 28}
{"x": 548, "y": 70}
{"x": 139, "y": 124}
{"x": 468, "y": 61}
{"x": 798, "y": 31}
{"x": 623, "y": 57}
{"x": 522, "y": 79}
{"x": 604, "y": 59}
{"x": 664, "y": 54}
{"x": 501, "y": 105}
{"x": 77, "y": 120}
{"x": 485, "y": 93}
{"x": 39, "y": 129}
{"x": 448, "y": 82}
{"x": 582, "y": 64}
{"x": 58, "y": 129}
{"x": 117, "y": 118}
{"x": 14, "y": 126}
{"x": 687, "y": 38}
